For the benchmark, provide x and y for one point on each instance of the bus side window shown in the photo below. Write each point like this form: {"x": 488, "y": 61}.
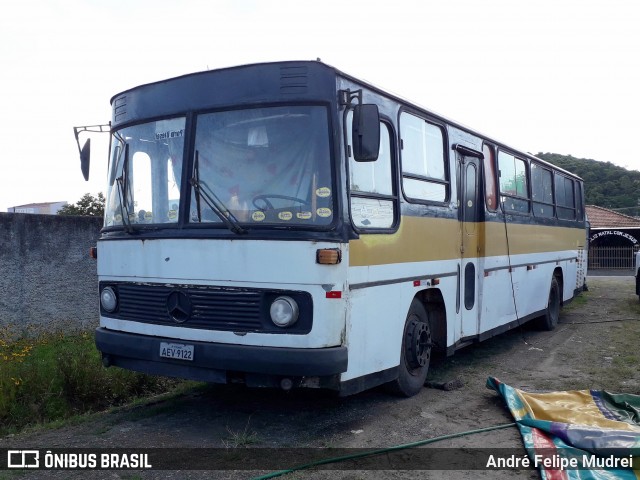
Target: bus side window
{"x": 371, "y": 184}
{"x": 541, "y": 191}
{"x": 423, "y": 159}
{"x": 514, "y": 191}
{"x": 565, "y": 198}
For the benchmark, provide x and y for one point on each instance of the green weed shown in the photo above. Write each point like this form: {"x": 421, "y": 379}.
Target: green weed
{"x": 55, "y": 376}
{"x": 240, "y": 438}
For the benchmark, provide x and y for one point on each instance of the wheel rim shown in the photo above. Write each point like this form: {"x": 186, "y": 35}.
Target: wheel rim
{"x": 418, "y": 344}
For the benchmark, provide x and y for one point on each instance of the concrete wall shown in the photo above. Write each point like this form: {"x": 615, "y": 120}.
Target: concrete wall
{"x": 47, "y": 279}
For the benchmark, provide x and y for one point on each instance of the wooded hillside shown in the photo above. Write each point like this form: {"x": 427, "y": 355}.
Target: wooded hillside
{"x": 606, "y": 185}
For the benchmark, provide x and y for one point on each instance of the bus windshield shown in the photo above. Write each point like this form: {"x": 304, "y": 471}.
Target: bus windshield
{"x": 144, "y": 174}
{"x": 262, "y": 166}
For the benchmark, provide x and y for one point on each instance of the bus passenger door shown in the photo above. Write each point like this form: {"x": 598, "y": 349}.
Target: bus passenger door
{"x": 470, "y": 217}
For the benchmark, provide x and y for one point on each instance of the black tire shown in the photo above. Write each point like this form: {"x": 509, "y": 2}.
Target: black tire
{"x": 549, "y": 320}
{"x": 415, "y": 353}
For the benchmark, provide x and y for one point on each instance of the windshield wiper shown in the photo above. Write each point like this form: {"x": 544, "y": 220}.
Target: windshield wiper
{"x": 212, "y": 201}
{"x": 123, "y": 190}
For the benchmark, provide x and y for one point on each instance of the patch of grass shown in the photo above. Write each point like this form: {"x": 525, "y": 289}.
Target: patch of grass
{"x": 612, "y": 358}
{"x": 627, "y": 360}
{"x": 12, "y": 475}
{"x": 143, "y": 408}
{"x": 57, "y": 376}
{"x": 240, "y": 438}
{"x": 577, "y": 302}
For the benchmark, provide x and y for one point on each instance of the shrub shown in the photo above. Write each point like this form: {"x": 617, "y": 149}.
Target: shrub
{"x": 56, "y": 376}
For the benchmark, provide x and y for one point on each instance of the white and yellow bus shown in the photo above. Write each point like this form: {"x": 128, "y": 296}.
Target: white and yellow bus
{"x": 288, "y": 225}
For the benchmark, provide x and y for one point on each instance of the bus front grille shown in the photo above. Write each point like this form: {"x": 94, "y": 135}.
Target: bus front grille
{"x": 204, "y": 307}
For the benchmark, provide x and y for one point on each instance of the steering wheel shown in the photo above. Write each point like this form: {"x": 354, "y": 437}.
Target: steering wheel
{"x": 268, "y": 205}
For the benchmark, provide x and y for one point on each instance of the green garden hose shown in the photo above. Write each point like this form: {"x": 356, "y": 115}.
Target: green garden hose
{"x": 381, "y": 450}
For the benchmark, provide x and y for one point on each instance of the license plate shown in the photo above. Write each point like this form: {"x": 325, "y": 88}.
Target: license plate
{"x": 179, "y": 351}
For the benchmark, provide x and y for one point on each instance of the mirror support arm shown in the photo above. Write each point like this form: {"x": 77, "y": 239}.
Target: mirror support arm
{"x": 85, "y": 151}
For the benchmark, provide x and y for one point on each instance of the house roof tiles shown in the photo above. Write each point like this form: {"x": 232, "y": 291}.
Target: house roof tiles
{"x": 600, "y": 217}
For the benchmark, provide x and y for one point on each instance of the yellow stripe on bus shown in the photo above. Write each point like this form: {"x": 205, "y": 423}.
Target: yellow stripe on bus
{"x": 431, "y": 239}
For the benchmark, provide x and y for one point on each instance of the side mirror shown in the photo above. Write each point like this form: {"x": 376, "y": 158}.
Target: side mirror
{"x": 366, "y": 133}
{"x": 85, "y": 158}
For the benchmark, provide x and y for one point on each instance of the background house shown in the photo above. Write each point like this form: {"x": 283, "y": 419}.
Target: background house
{"x": 613, "y": 239}
{"x": 48, "y": 208}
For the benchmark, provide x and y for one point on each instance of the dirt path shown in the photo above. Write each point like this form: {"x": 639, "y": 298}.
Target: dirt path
{"x": 594, "y": 346}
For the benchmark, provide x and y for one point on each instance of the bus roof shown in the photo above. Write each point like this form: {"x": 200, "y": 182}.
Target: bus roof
{"x": 369, "y": 85}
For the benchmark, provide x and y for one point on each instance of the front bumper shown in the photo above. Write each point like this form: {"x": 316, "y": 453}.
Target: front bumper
{"x": 213, "y": 361}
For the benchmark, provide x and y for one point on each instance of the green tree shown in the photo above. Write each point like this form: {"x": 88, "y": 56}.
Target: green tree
{"x": 606, "y": 185}
{"x": 87, "y": 205}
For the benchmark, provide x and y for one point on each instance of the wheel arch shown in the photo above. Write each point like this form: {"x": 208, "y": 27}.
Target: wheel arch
{"x": 560, "y": 279}
{"x": 433, "y": 302}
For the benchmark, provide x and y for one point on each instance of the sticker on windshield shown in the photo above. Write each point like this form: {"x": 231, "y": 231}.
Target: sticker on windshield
{"x": 170, "y": 134}
{"x": 258, "y": 216}
{"x": 304, "y": 215}
{"x": 323, "y": 192}
{"x": 148, "y": 216}
{"x": 285, "y": 216}
{"x": 173, "y": 214}
{"x": 324, "y": 212}
{"x": 118, "y": 218}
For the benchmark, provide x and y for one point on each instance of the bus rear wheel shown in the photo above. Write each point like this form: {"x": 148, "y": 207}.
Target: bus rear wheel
{"x": 415, "y": 352}
{"x": 549, "y": 320}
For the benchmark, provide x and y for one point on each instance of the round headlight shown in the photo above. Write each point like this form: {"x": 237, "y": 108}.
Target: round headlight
{"x": 108, "y": 299}
{"x": 284, "y": 311}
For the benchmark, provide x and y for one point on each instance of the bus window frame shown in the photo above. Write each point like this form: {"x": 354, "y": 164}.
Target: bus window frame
{"x": 257, "y": 227}
{"x": 553, "y": 192}
{"x": 394, "y": 197}
{"x": 114, "y": 133}
{"x": 493, "y": 159}
{"x": 559, "y": 207}
{"x": 527, "y": 172}
{"x": 580, "y": 210}
{"x": 446, "y": 161}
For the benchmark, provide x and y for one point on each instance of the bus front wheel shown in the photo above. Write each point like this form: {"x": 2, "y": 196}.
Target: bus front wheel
{"x": 415, "y": 352}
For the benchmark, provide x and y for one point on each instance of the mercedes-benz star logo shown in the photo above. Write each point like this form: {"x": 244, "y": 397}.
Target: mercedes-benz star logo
{"x": 179, "y": 306}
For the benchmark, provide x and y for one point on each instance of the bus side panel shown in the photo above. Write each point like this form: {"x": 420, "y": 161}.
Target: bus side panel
{"x": 374, "y": 329}
{"x": 497, "y": 302}
{"x": 532, "y": 255}
{"x": 570, "y": 271}
{"x": 376, "y": 324}
{"x": 531, "y": 281}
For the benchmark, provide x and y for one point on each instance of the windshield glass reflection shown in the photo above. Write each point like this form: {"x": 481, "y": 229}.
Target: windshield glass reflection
{"x": 144, "y": 178}
{"x": 265, "y": 166}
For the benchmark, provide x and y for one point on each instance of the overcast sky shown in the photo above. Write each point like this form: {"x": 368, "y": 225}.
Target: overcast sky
{"x": 559, "y": 76}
